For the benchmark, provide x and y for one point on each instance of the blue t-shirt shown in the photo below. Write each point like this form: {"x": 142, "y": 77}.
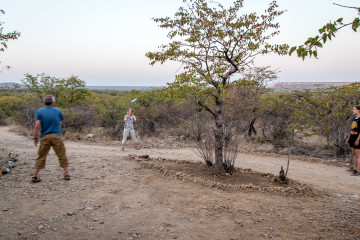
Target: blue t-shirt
{"x": 50, "y": 118}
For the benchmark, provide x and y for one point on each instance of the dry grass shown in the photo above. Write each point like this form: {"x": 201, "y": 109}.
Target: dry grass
{"x": 21, "y": 130}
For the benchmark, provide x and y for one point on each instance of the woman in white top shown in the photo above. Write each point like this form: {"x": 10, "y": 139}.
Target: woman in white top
{"x": 129, "y": 128}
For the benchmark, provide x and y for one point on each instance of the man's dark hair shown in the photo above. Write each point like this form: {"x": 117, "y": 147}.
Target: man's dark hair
{"x": 48, "y": 99}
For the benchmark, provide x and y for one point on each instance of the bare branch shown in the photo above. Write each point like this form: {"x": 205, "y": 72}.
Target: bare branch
{"x": 345, "y": 6}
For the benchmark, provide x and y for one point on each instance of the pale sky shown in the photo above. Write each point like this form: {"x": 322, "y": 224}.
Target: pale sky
{"x": 104, "y": 42}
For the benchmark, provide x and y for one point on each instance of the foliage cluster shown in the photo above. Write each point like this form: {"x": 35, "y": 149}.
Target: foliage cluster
{"x": 326, "y": 32}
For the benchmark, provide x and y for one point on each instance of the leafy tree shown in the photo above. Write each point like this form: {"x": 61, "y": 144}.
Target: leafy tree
{"x": 215, "y": 45}
{"x": 67, "y": 91}
{"x": 155, "y": 108}
{"x": 275, "y": 114}
{"x": 110, "y": 110}
{"x": 327, "y": 112}
{"x": 5, "y": 37}
{"x": 73, "y": 90}
{"x": 327, "y": 32}
{"x": 78, "y": 117}
{"x": 245, "y": 98}
{"x": 19, "y": 108}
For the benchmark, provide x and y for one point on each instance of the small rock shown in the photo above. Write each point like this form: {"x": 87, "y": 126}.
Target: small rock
{"x": 40, "y": 227}
{"x": 91, "y": 228}
{"x": 34, "y": 234}
{"x": 70, "y": 213}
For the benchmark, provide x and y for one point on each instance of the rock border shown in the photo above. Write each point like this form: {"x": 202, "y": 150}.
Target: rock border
{"x": 300, "y": 190}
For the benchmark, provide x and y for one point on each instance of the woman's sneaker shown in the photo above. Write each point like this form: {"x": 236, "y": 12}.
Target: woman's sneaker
{"x": 356, "y": 173}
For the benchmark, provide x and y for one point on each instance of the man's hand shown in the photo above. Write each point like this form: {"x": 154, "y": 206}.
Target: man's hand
{"x": 36, "y": 141}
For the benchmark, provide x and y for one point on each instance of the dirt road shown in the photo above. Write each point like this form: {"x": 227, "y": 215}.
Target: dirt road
{"x": 110, "y": 197}
{"x": 324, "y": 177}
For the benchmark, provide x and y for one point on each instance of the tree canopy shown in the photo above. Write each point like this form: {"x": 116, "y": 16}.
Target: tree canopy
{"x": 215, "y": 46}
{"x": 67, "y": 91}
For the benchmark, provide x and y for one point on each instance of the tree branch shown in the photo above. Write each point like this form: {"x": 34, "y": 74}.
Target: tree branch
{"x": 345, "y": 6}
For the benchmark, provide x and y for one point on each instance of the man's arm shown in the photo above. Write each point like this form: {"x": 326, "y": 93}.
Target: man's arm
{"x": 36, "y": 131}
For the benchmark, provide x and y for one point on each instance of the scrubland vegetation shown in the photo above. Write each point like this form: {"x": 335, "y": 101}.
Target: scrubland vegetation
{"x": 253, "y": 114}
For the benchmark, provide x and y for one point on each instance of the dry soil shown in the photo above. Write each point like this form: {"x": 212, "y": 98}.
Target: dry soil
{"x": 116, "y": 194}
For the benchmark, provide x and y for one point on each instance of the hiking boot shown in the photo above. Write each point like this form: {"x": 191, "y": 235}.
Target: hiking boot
{"x": 356, "y": 173}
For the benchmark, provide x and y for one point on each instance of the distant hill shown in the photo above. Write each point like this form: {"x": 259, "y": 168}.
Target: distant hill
{"x": 291, "y": 86}
{"x": 7, "y": 85}
{"x": 122, "y": 88}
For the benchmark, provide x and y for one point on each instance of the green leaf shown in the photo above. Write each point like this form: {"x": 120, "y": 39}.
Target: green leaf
{"x": 339, "y": 20}
{"x": 292, "y": 50}
{"x": 332, "y": 28}
{"x": 324, "y": 37}
{"x": 321, "y": 30}
{"x": 355, "y": 24}
{"x": 318, "y": 44}
{"x": 315, "y": 53}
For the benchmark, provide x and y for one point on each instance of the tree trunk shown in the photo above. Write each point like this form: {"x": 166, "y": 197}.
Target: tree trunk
{"x": 252, "y": 128}
{"x": 219, "y": 135}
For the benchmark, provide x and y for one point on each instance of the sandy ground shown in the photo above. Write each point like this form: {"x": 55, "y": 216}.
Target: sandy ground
{"x": 112, "y": 197}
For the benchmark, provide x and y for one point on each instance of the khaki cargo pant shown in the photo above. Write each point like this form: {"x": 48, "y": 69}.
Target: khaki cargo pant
{"x": 55, "y": 141}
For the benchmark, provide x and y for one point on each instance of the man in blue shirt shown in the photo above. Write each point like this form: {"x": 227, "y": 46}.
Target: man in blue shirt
{"x": 48, "y": 121}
